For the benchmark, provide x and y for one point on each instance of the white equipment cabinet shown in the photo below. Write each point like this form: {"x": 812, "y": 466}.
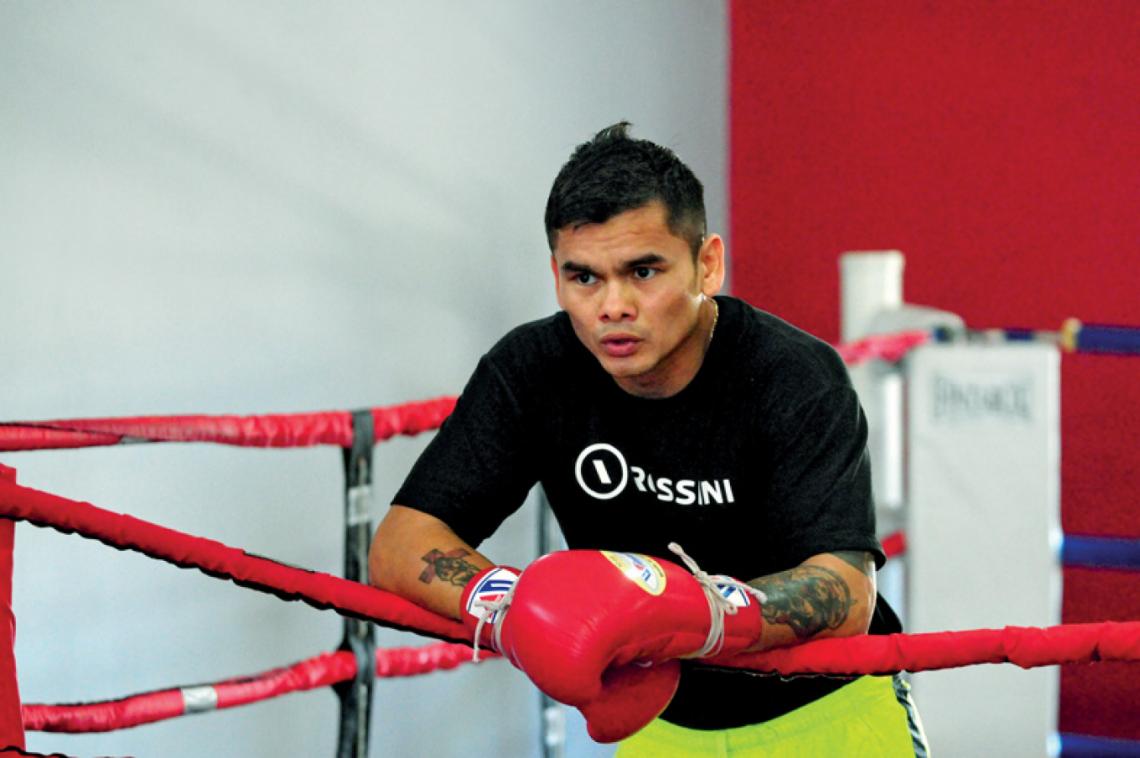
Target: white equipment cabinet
{"x": 965, "y": 447}
{"x": 982, "y": 521}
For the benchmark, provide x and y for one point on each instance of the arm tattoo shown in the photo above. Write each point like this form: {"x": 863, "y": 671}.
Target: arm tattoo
{"x": 449, "y": 566}
{"x": 809, "y": 599}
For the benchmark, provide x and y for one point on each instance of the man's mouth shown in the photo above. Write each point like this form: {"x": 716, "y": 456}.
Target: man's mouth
{"x": 620, "y": 345}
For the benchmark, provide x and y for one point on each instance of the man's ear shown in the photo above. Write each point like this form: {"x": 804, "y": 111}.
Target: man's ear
{"x": 710, "y": 265}
{"x": 557, "y": 279}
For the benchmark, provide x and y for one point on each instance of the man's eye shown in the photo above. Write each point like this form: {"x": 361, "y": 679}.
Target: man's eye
{"x": 644, "y": 272}
{"x": 584, "y": 277}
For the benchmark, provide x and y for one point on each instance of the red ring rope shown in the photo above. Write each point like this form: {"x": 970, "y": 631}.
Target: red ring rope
{"x": 886, "y": 347}
{"x": 319, "y": 428}
{"x": 276, "y": 430}
{"x": 894, "y": 544}
{"x": 321, "y": 671}
{"x": 1025, "y": 646}
{"x": 287, "y": 582}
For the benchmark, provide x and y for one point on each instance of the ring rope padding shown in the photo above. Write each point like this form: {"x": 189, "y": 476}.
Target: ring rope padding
{"x": 323, "y": 670}
{"x": 1106, "y": 338}
{"x": 885, "y": 347}
{"x": 877, "y": 654}
{"x": 317, "y": 589}
{"x": 313, "y": 428}
{"x": 273, "y": 430}
{"x": 335, "y": 427}
{"x": 1024, "y": 646}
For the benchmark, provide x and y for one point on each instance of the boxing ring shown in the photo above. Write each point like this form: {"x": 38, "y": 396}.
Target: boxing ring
{"x": 352, "y": 669}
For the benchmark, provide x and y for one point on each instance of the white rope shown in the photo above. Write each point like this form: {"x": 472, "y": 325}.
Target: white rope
{"x": 719, "y": 605}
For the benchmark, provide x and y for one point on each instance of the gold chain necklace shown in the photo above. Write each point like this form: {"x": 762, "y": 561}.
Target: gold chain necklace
{"x": 716, "y": 316}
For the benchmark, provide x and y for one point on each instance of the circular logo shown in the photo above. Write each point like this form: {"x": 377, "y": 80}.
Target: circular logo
{"x": 642, "y": 570}
{"x": 601, "y": 471}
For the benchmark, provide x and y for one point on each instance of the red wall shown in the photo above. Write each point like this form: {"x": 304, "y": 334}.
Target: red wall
{"x": 997, "y": 144}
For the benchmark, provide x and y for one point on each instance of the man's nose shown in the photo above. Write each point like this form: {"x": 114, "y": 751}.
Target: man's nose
{"x": 618, "y": 303}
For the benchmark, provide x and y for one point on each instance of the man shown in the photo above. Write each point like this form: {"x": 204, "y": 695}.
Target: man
{"x": 653, "y": 411}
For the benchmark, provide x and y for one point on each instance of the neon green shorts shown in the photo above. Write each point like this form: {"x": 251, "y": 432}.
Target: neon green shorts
{"x": 872, "y": 716}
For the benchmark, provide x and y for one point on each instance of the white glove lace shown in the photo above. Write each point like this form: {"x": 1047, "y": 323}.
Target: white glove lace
{"x": 497, "y": 611}
{"x": 719, "y": 605}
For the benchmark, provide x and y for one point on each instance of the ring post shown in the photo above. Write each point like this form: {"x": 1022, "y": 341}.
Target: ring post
{"x": 11, "y": 719}
{"x": 359, "y": 637}
{"x": 552, "y": 721}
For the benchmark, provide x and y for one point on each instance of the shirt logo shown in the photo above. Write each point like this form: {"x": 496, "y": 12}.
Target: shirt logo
{"x": 603, "y": 473}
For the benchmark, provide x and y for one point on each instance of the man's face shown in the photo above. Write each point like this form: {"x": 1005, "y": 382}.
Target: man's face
{"x": 637, "y": 299}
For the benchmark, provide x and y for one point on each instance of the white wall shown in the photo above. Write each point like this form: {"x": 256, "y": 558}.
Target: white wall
{"x": 214, "y": 207}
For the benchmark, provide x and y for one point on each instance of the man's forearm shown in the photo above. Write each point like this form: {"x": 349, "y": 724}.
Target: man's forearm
{"x": 828, "y": 595}
{"x": 419, "y": 557}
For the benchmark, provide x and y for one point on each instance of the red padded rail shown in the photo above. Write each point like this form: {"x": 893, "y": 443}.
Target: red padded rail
{"x": 1027, "y": 647}
{"x": 1024, "y": 646}
{"x": 308, "y": 429}
{"x": 320, "y": 671}
{"x": 274, "y": 430}
{"x": 318, "y": 589}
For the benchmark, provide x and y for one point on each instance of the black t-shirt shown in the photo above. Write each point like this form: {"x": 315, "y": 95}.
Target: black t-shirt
{"x": 757, "y": 464}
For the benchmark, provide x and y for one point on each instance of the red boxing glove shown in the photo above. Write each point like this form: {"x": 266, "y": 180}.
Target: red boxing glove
{"x": 583, "y": 620}
{"x": 632, "y": 696}
{"x": 483, "y": 605}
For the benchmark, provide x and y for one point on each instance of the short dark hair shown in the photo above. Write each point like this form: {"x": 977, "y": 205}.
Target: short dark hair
{"x": 613, "y": 173}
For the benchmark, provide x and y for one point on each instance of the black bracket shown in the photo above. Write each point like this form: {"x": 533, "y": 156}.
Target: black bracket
{"x": 359, "y": 635}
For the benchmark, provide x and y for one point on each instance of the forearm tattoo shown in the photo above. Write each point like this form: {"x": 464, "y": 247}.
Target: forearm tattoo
{"x": 808, "y": 599}
{"x": 449, "y": 566}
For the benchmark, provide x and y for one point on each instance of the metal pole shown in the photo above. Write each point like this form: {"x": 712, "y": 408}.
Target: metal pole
{"x": 552, "y": 720}
{"x": 359, "y": 635}
{"x": 871, "y": 285}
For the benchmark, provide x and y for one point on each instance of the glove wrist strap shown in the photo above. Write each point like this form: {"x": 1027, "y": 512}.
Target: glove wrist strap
{"x": 486, "y": 602}
{"x": 719, "y": 605}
